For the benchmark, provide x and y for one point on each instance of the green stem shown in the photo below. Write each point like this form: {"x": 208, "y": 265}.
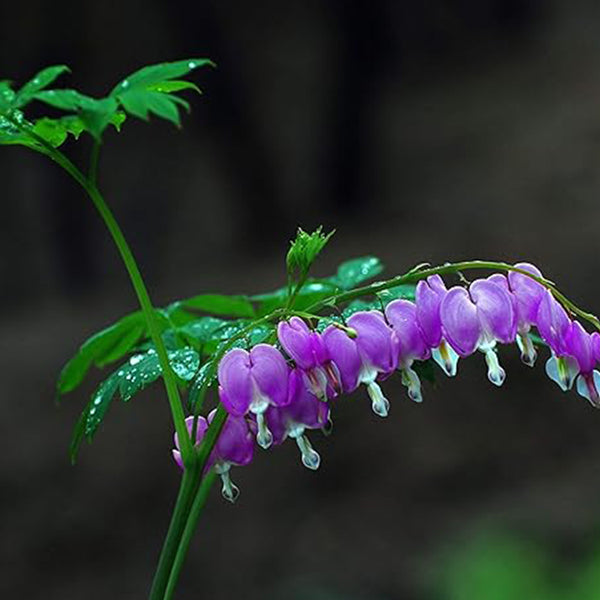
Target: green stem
{"x": 187, "y": 490}
{"x": 451, "y": 268}
{"x": 188, "y": 532}
{"x": 137, "y": 281}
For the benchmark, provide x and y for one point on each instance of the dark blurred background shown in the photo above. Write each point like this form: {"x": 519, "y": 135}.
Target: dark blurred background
{"x": 421, "y": 131}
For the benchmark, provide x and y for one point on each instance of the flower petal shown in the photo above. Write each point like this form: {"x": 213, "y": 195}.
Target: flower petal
{"x": 295, "y": 338}
{"x": 234, "y": 378}
{"x": 528, "y": 293}
{"x": 495, "y": 310}
{"x": 402, "y": 315}
{"x": 429, "y": 295}
{"x": 270, "y": 373}
{"x": 459, "y": 321}
{"x": 377, "y": 344}
{"x": 553, "y": 323}
{"x": 579, "y": 343}
{"x": 235, "y": 443}
{"x": 344, "y": 354}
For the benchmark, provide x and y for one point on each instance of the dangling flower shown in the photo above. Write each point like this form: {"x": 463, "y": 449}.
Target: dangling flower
{"x": 555, "y": 327}
{"x": 429, "y": 295}
{"x": 581, "y": 347}
{"x": 528, "y": 294}
{"x": 371, "y": 354}
{"x": 477, "y": 319}
{"x": 304, "y": 411}
{"x": 251, "y": 382}
{"x": 308, "y": 351}
{"x": 234, "y": 446}
{"x": 402, "y": 316}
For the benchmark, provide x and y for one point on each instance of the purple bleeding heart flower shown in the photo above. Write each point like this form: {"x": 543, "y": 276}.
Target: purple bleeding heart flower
{"x": 555, "y": 327}
{"x": 371, "y": 354}
{"x": 402, "y": 316}
{"x": 428, "y": 296}
{"x": 581, "y": 348}
{"x": 477, "y": 319}
{"x": 305, "y": 411}
{"x": 308, "y": 351}
{"x": 234, "y": 446}
{"x": 251, "y": 382}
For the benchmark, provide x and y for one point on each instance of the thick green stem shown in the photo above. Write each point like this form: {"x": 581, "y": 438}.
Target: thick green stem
{"x": 187, "y": 491}
{"x": 188, "y": 533}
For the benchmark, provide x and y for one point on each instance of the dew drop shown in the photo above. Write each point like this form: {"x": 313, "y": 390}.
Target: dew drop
{"x": 192, "y": 64}
{"x": 125, "y": 83}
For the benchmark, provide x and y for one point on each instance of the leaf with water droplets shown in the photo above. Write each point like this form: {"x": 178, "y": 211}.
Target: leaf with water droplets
{"x": 104, "y": 347}
{"x": 151, "y": 90}
{"x": 43, "y": 79}
{"x": 207, "y": 376}
{"x": 405, "y": 291}
{"x": 353, "y": 272}
{"x": 130, "y": 378}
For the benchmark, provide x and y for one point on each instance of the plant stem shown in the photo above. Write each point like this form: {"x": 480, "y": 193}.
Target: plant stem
{"x": 190, "y": 526}
{"x": 135, "y": 276}
{"x": 187, "y": 490}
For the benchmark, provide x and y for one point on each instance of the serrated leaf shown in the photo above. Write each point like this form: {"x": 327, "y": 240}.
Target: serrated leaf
{"x": 221, "y": 305}
{"x": 304, "y": 249}
{"x": 159, "y": 73}
{"x": 311, "y": 292}
{"x": 97, "y": 118}
{"x": 176, "y": 85}
{"x": 66, "y": 99}
{"x": 106, "y": 346}
{"x": 130, "y": 378}
{"x": 43, "y": 79}
{"x": 354, "y": 272}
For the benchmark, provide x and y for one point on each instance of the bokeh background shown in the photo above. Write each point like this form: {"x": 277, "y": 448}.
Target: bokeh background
{"x": 421, "y": 131}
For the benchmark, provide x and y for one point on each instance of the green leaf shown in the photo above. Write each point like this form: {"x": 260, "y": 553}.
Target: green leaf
{"x": 66, "y": 99}
{"x": 222, "y": 305}
{"x": 159, "y": 73}
{"x": 311, "y": 292}
{"x": 176, "y": 85}
{"x": 304, "y": 250}
{"x": 353, "y": 272}
{"x": 106, "y": 346}
{"x": 7, "y": 96}
{"x": 130, "y": 378}
{"x": 43, "y": 79}
{"x": 406, "y": 291}
{"x": 97, "y": 118}
{"x": 150, "y": 90}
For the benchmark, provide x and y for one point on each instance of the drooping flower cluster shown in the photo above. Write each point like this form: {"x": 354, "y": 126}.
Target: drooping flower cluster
{"x": 271, "y": 397}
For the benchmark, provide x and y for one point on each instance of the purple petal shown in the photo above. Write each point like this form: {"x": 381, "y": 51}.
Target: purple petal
{"x": 580, "y": 346}
{"x": 402, "y": 315}
{"x": 553, "y": 323}
{"x": 305, "y": 408}
{"x": 596, "y": 345}
{"x": 235, "y": 443}
{"x": 377, "y": 344}
{"x": 201, "y": 428}
{"x": 429, "y": 295}
{"x": 495, "y": 310}
{"x": 270, "y": 373}
{"x": 234, "y": 378}
{"x": 274, "y": 416}
{"x": 177, "y": 456}
{"x": 459, "y": 321}
{"x": 295, "y": 337}
{"x": 344, "y": 354}
{"x": 528, "y": 293}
